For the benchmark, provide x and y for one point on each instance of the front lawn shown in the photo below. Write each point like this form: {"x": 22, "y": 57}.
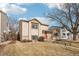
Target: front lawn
{"x": 36, "y": 49}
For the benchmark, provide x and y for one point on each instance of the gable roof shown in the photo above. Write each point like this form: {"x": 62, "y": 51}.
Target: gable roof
{"x": 35, "y": 20}
{"x": 28, "y": 20}
{"x": 54, "y": 27}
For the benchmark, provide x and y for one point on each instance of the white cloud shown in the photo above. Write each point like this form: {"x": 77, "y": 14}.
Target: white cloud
{"x": 53, "y": 5}
{"x": 23, "y": 3}
{"x": 18, "y": 3}
{"x": 12, "y": 8}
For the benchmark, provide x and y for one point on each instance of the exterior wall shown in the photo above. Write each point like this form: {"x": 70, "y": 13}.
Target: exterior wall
{"x": 23, "y": 30}
{"x": 40, "y": 30}
{"x": 29, "y": 31}
{"x": 67, "y": 35}
{"x": 3, "y": 24}
{"x": 33, "y": 31}
{"x": 43, "y": 27}
{"x": 70, "y": 37}
{"x": 49, "y": 36}
{"x": 54, "y": 36}
{"x": 26, "y": 30}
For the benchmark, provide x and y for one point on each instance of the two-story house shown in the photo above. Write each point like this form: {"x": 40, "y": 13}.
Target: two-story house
{"x": 60, "y": 33}
{"x": 65, "y": 34}
{"x": 32, "y": 29}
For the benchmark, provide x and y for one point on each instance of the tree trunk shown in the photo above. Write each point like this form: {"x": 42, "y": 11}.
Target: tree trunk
{"x": 74, "y": 36}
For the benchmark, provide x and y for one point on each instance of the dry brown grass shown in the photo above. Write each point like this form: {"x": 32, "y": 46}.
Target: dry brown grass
{"x": 35, "y": 49}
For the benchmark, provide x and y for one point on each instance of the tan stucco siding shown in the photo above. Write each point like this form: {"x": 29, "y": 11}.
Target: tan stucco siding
{"x": 40, "y": 30}
{"x": 33, "y": 31}
{"x": 29, "y": 30}
{"x": 25, "y": 30}
{"x": 43, "y": 27}
{"x": 3, "y": 24}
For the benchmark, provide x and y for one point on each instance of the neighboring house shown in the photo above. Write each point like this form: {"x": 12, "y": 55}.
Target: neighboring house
{"x": 3, "y": 24}
{"x": 66, "y": 35}
{"x": 33, "y": 29}
{"x": 61, "y": 33}
{"x": 55, "y": 35}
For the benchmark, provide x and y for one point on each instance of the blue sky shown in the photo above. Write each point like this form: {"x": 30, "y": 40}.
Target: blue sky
{"x": 33, "y": 10}
{"x": 36, "y": 10}
{"x": 28, "y": 10}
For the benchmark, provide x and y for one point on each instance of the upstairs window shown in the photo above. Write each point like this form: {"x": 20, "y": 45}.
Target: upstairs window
{"x": 34, "y": 25}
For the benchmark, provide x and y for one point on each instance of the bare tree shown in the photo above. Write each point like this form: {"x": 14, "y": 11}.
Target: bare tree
{"x": 68, "y": 17}
{"x": 12, "y": 27}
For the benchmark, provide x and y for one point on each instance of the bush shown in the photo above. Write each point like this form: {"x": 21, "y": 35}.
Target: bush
{"x": 26, "y": 40}
{"x": 41, "y": 38}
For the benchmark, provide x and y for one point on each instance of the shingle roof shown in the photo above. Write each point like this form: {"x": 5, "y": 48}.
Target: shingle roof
{"x": 55, "y": 27}
{"x": 42, "y": 21}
